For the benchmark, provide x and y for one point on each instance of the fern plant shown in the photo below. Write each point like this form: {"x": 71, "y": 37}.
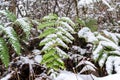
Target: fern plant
{"x": 12, "y": 39}
{"x": 89, "y": 22}
{"x": 8, "y": 35}
{"x": 106, "y": 44}
{"x": 8, "y": 14}
{"x": 56, "y": 33}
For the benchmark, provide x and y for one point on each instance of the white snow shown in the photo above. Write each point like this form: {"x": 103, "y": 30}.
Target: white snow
{"x": 102, "y": 38}
{"x": 47, "y": 45}
{"x": 113, "y": 60}
{"x": 36, "y": 51}
{"x": 109, "y": 45}
{"x": 88, "y": 35}
{"x": 51, "y": 36}
{"x": 64, "y": 38}
{"x": 7, "y": 77}
{"x": 88, "y": 2}
{"x": 79, "y": 49}
{"x": 85, "y": 62}
{"x": 61, "y": 52}
{"x": 38, "y": 58}
{"x": 111, "y": 36}
{"x": 86, "y": 68}
{"x": 109, "y": 65}
{"x": 68, "y": 20}
{"x": 103, "y": 59}
{"x": 9, "y": 31}
{"x": 66, "y": 25}
{"x": 118, "y": 21}
{"x": 107, "y": 4}
{"x": 66, "y": 75}
{"x": 61, "y": 43}
{"x": 82, "y": 51}
{"x": 25, "y": 25}
{"x": 118, "y": 35}
{"x": 66, "y": 33}
{"x": 85, "y": 2}
{"x": 97, "y": 51}
{"x": 109, "y": 77}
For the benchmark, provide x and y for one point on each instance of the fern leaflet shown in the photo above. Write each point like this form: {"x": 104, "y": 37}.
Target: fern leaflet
{"x": 4, "y": 55}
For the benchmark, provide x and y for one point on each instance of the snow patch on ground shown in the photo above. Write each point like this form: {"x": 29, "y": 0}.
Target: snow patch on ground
{"x": 38, "y": 58}
{"x": 7, "y": 77}
{"x": 109, "y": 77}
{"x": 65, "y": 75}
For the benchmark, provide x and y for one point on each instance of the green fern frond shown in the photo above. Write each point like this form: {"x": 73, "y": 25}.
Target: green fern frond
{"x": 106, "y": 48}
{"x": 64, "y": 38}
{"x": 46, "y": 24}
{"x": 47, "y": 32}
{"x": 61, "y": 52}
{"x": 11, "y": 34}
{"x": 50, "y": 17}
{"x": 8, "y": 14}
{"x": 44, "y": 41}
{"x": 4, "y": 55}
{"x": 49, "y": 45}
{"x": 55, "y": 37}
{"x": 66, "y": 26}
{"x": 61, "y": 43}
{"x": 90, "y": 23}
{"x": 66, "y": 33}
{"x": 81, "y": 22}
{"x": 47, "y": 39}
{"x": 52, "y": 60}
{"x": 68, "y": 20}
{"x": 26, "y": 26}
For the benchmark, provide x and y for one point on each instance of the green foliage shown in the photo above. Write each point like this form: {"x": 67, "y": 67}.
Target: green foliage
{"x": 90, "y": 23}
{"x": 13, "y": 39}
{"x": 9, "y": 35}
{"x": 53, "y": 21}
{"x": 9, "y": 15}
{"x": 52, "y": 59}
{"x": 25, "y": 24}
{"x": 56, "y": 32}
{"x": 47, "y": 32}
{"x": 4, "y": 56}
{"x": 81, "y": 22}
{"x": 107, "y": 45}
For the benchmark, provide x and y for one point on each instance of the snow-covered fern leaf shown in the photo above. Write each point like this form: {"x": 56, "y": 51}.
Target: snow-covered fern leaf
{"x": 88, "y": 35}
{"x": 66, "y": 26}
{"x": 25, "y": 24}
{"x": 66, "y": 33}
{"x": 11, "y": 36}
{"x": 107, "y": 46}
{"x": 47, "y": 32}
{"x": 67, "y": 19}
{"x": 13, "y": 39}
{"x": 88, "y": 66}
{"x": 50, "y": 17}
{"x": 46, "y": 24}
{"x": 113, "y": 61}
{"x": 52, "y": 20}
{"x": 4, "y": 55}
